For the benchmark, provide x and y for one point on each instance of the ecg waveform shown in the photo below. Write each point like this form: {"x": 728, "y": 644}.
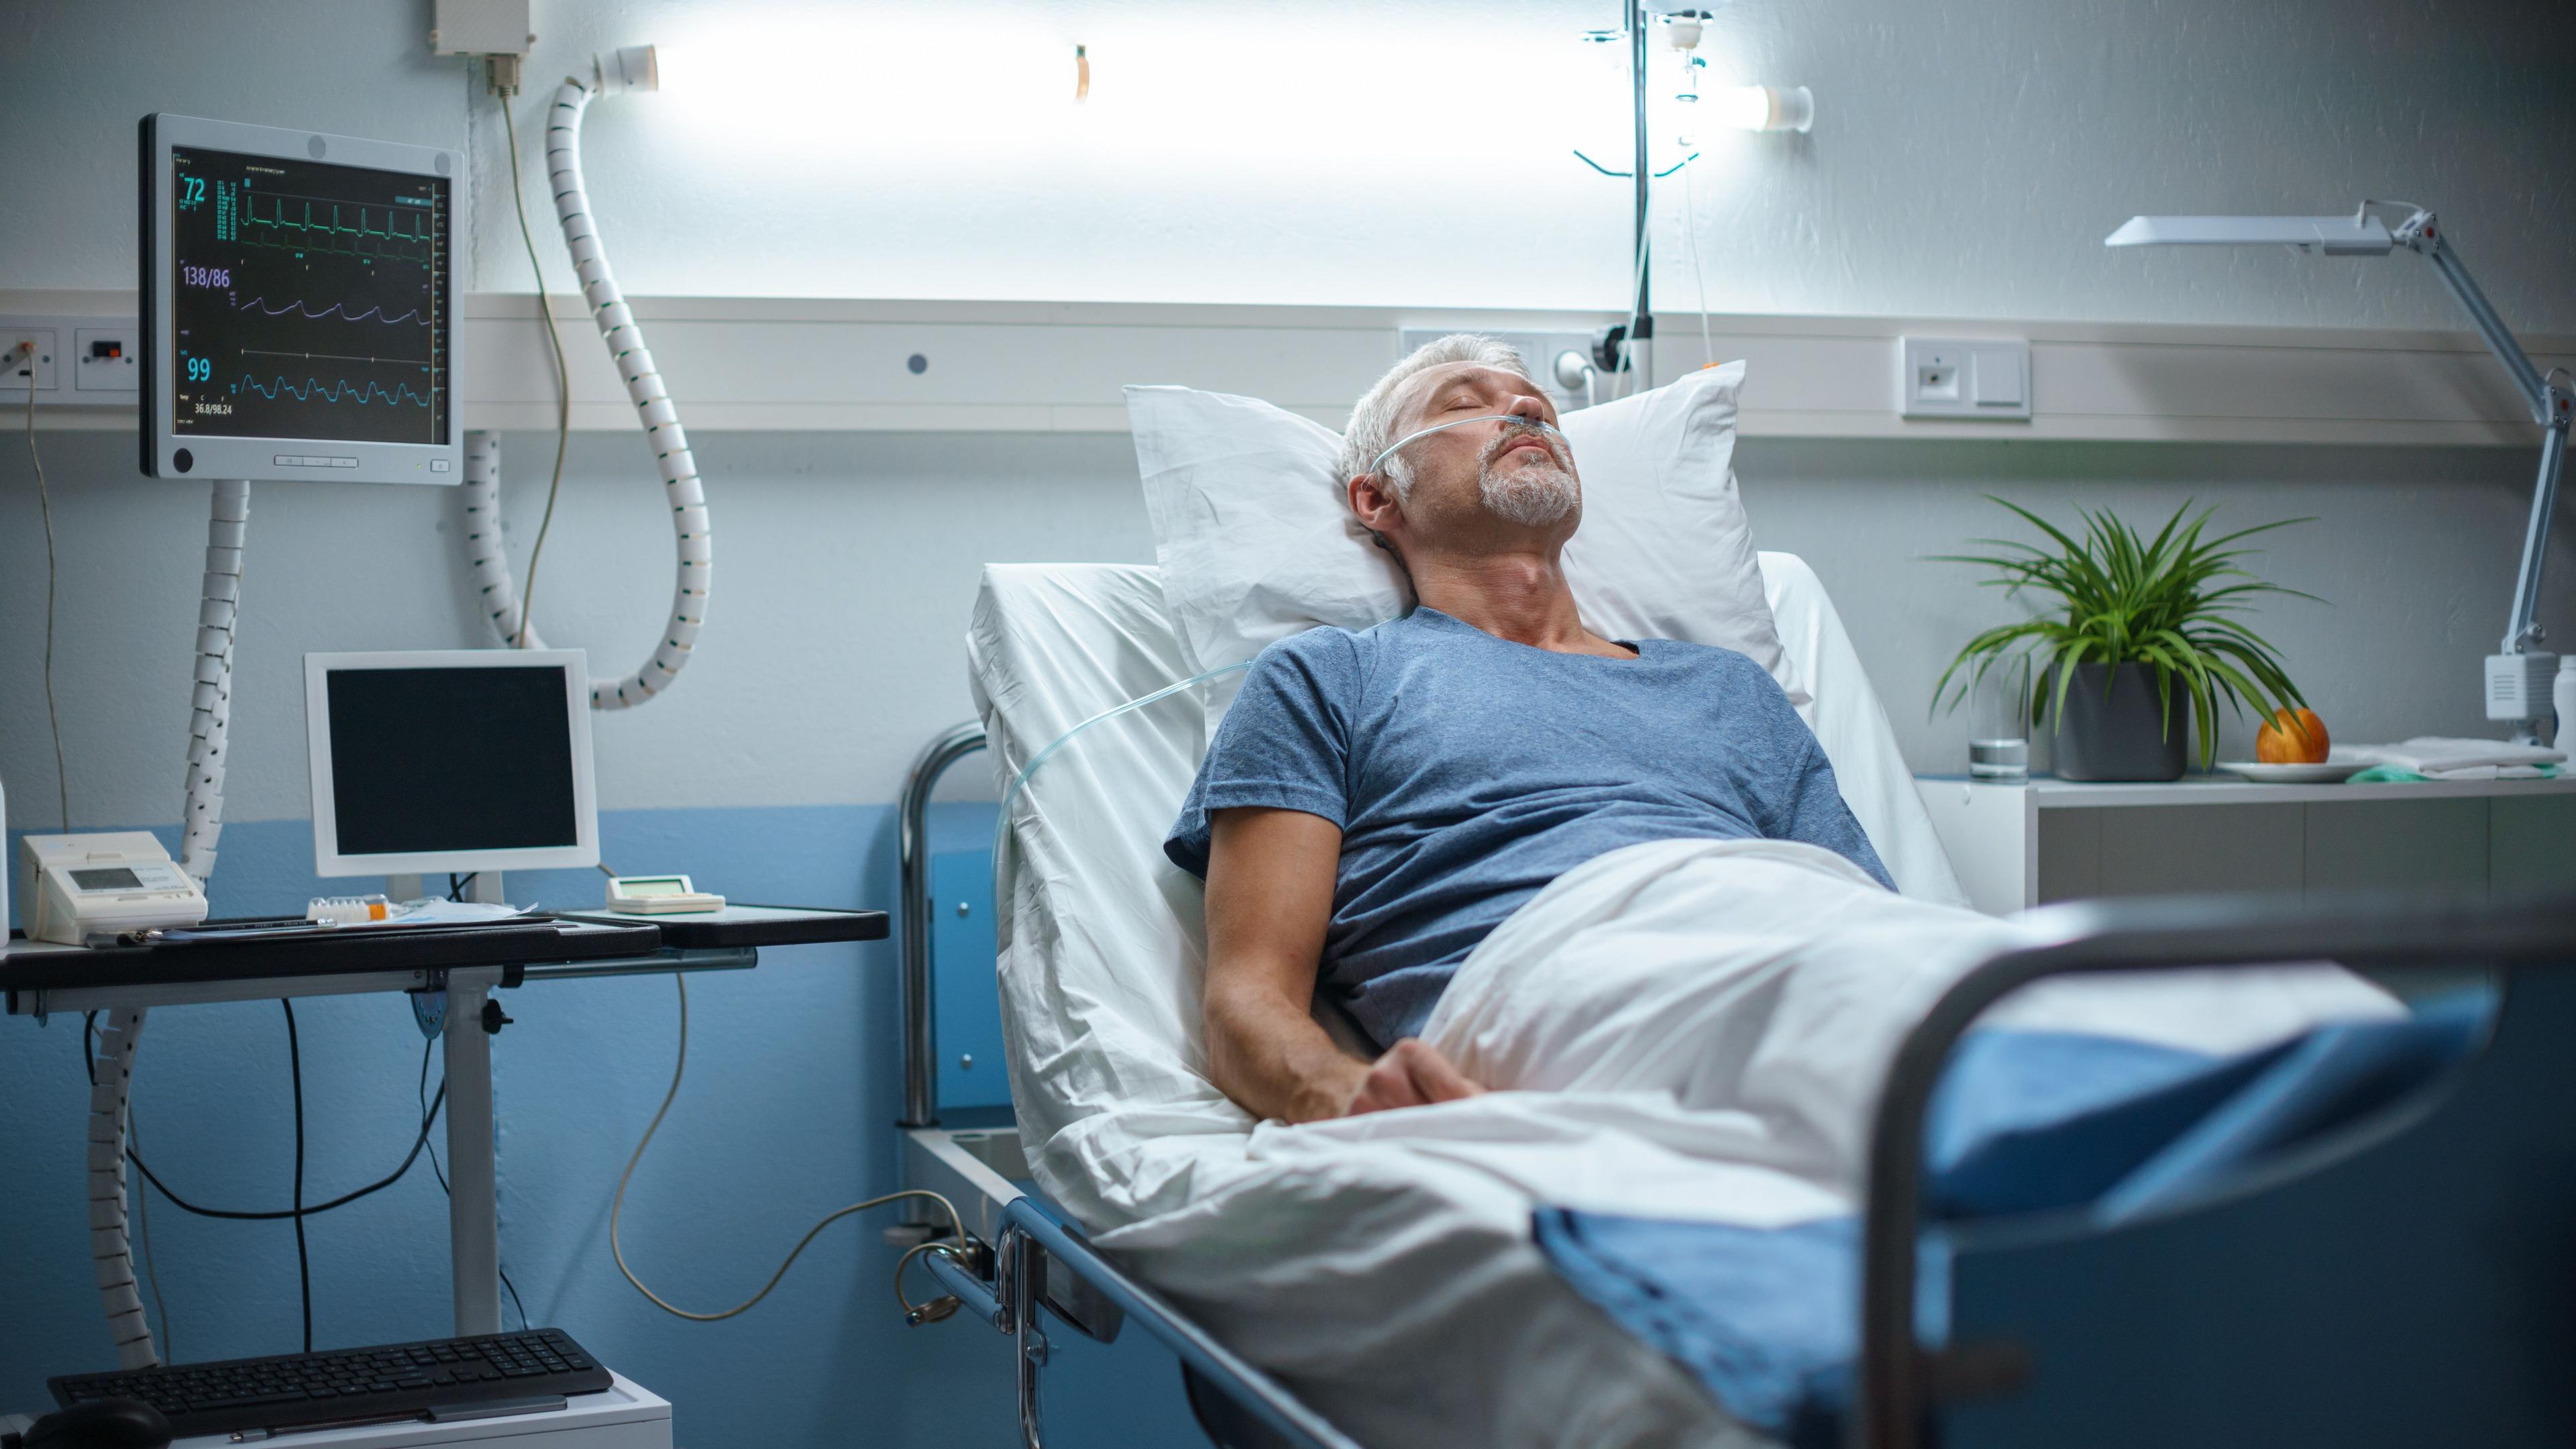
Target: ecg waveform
{"x": 271, "y": 231}
{"x": 332, "y": 392}
{"x": 305, "y": 309}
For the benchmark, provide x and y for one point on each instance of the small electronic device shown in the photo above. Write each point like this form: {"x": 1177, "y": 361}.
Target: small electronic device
{"x": 659, "y": 895}
{"x": 450, "y": 760}
{"x": 75, "y": 887}
{"x": 298, "y": 300}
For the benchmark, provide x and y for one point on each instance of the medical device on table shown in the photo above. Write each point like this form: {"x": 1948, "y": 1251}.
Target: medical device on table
{"x": 2519, "y": 676}
{"x": 450, "y": 760}
{"x": 659, "y": 895}
{"x": 75, "y": 887}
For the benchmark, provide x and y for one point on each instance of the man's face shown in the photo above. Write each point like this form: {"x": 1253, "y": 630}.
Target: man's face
{"x": 1502, "y": 480}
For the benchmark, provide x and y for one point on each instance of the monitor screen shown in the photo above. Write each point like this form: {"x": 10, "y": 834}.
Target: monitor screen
{"x": 451, "y": 759}
{"x": 308, "y": 301}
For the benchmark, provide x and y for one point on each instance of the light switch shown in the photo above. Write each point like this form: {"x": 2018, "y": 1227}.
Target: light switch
{"x": 1962, "y": 377}
{"x": 1999, "y": 377}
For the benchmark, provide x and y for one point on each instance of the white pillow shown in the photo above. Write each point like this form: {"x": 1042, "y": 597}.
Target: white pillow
{"x": 1257, "y": 542}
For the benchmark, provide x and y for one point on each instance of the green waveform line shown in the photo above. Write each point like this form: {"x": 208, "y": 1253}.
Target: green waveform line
{"x": 308, "y": 227}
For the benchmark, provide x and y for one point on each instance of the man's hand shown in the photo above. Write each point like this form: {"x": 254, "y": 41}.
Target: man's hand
{"x": 1413, "y": 1073}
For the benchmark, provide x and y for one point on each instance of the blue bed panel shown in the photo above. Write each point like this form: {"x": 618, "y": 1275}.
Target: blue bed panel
{"x": 2411, "y": 1281}
{"x": 964, "y": 992}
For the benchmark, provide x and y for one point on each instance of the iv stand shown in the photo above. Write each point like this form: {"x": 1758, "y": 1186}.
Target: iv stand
{"x": 2518, "y": 677}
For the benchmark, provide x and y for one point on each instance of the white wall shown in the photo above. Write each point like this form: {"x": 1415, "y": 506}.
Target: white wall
{"x": 835, "y": 642}
{"x": 1967, "y": 158}
{"x": 846, "y": 562}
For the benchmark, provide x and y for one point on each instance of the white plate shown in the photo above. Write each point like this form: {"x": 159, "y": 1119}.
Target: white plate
{"x": 2330, "y": 773}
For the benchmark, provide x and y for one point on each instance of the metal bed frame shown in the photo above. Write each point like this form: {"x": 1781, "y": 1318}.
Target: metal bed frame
{"x": 2273, "y": 1349}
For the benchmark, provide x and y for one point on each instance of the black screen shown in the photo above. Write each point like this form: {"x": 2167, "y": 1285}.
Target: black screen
{"x": 310, "y": 300}
{"x": 106, "y": 878}
{"x": 451, "y": 759}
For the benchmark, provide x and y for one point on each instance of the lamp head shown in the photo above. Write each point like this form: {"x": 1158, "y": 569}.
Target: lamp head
{"x": 2334, "y": 236}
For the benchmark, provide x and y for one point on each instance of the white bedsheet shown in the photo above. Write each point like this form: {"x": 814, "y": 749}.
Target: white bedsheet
{"x": 1100, "y": 968}
{"x": 1685, "y": 1029}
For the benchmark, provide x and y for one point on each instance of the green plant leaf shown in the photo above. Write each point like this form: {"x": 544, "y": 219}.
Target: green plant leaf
{"x": 2169, "y": 600}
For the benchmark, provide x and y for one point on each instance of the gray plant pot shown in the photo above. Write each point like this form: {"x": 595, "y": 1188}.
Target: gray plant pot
{"x": 2119, "y": 737}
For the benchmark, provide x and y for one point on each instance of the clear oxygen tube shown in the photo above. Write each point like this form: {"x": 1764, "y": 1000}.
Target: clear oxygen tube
{"x": 1002, "y": 833}
{"x": 1537, "y": 425}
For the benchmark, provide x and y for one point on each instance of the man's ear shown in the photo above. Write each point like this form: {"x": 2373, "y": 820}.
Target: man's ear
{"x": 1373, "y": 503}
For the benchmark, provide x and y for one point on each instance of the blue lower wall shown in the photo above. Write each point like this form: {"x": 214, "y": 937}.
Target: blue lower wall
{"x": 786, "y": 1113}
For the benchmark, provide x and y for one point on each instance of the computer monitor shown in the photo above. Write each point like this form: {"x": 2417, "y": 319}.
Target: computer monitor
{"x": 450, "y": 760}
{"x": 298, "y": 305}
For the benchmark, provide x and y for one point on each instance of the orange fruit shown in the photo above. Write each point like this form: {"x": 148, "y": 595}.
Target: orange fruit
{"x": 2291, "y": 738}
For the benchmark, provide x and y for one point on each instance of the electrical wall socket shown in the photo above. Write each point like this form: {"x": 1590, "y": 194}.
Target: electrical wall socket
{"x": 1964, "y": 377}
{"x": 108, "y": 359}
{"x": 17, "y": 369}
{"x": 1540, "y": 350}
{"x": 84, "y": 360}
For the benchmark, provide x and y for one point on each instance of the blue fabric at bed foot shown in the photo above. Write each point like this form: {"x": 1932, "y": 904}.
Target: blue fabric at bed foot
{"x": 1767, "y": 1319}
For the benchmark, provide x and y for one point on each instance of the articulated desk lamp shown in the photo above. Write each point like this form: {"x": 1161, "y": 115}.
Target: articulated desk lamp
{"x": 2518, "y": 678}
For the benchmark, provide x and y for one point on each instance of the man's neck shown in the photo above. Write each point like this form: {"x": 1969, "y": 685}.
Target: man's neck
{"x": 1520, "y": 596}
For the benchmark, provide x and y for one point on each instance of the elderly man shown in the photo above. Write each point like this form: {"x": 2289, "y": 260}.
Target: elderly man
{"x": 1376, "y": 803}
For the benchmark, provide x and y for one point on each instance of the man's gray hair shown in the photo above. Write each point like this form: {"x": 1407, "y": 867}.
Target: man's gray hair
{"x": 1372, "y": 425}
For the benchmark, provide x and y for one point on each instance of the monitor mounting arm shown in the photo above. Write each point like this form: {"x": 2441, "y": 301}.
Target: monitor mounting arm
{"x": 2518, "y": 677}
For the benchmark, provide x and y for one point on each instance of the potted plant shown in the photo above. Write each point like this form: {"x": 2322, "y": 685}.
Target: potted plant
{"x": 2141, "y": 640}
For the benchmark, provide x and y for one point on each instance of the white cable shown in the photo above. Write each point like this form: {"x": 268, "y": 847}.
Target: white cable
{"x": 110, "y": 1253}
{"x": 653, "y": 405}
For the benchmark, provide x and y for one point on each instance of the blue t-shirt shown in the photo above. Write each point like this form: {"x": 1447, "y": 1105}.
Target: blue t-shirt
{"x": 1467, "y": 771}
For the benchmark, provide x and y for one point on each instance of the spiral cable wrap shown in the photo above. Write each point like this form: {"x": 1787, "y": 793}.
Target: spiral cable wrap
{"x": 109, "y": 1251}
{"x": 500, "y": 598}
{"x": 210, "y": 719}
{"x": 653, "y": 406}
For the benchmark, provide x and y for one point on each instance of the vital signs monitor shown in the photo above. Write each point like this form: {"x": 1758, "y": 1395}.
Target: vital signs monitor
{"x": 298, "y": 305}
{"x": 450, "y": 760}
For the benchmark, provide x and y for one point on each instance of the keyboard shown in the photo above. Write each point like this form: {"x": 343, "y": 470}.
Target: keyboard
{"x": 305, "y": 1390}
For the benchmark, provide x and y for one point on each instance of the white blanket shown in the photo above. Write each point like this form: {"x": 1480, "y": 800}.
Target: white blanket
{"x": 1688, "y": 1029}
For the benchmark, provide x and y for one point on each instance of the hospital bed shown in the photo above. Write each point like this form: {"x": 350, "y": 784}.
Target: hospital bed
{"x": 2241, "y": 1319}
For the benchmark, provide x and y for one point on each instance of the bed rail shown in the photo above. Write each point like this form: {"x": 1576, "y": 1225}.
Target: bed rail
{"x": 2507, "y": 1111}
{"x": 920, "y": 1025}
{"x": 1035, "y": 1240}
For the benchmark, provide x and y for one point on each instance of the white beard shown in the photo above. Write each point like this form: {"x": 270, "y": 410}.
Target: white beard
{"x": 1533, "y": 494}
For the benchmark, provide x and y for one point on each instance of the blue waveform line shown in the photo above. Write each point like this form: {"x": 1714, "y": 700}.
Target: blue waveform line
{"x": 367, "y": 392}
{"x": 306, "y": 310}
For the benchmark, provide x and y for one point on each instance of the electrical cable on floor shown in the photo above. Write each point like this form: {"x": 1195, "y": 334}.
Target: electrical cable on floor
{"x": 924, "y": 1312}
{"x": 45, "y": 507}
{"x": 563, "y": 376}
{"x": 230, "y": 1215}
{"x": 303, "y": 1264}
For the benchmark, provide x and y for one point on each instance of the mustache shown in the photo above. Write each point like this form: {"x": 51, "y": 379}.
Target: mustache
{"x": 1513, "y": 435}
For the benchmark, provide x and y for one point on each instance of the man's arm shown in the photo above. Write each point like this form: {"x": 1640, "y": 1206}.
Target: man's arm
{"x": 1269, "y": 897}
